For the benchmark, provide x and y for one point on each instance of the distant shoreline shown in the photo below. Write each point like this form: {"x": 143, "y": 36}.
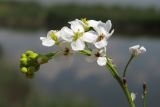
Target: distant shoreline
{"x": 32, "y": 16}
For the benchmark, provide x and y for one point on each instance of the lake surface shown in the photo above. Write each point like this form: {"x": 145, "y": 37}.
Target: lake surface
{"x": 73, "y": 77}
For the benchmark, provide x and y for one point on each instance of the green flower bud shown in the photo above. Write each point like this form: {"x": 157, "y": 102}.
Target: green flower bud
{"x": 23, "y": 56}
{"x": 28, "y": 53}
{"x": 23, "y": 61}
{"x": 33, "y": 55}
{"x": 24, "y": 70}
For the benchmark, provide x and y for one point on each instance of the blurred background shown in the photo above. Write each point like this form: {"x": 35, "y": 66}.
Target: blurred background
{"x": 72, "y": 81}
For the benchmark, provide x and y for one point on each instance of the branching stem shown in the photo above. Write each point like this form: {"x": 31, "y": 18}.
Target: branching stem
{"x": 129, "y": 61}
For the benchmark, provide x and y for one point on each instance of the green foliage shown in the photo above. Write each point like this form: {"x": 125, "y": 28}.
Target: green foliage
{"x": 31, "y": 15}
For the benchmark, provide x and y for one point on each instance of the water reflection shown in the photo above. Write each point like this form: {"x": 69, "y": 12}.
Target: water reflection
{"x": 72, "y": 80}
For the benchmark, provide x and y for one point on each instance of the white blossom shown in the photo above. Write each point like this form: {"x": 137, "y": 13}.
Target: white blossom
{"x": 137, "y": 49}
{"x": 51, "y": 39}
{"x": 100, "y": 37}
{"x": 101, "y": 61}
{"x": 74, "y": 35}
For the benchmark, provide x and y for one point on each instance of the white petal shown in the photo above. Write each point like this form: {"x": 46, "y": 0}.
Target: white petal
{"x": 66, "y": 34}
{"x": 101, "y": 29}
{"x": 143, "y": 49}
{"x": 47, "y": 41}
{"x": 134, "y": 47}
{"x": 101, "y": 44}
{"x": 77, "y": 25}
{"x": 133, "y": 96}
{"x": 50, "y": 32}
{"x": 101, "y": 61}
{"x": 108, "y": 25}
{"x": 78, "y": 45}
{"x": 110, "y": 34}
{"x": 90, "y": 36}
{"x": 134, "y": 50}
{"x": 93, "y": 23}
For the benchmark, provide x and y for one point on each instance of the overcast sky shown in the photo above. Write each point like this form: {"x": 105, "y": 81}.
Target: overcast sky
{"x": 140, "y": 3}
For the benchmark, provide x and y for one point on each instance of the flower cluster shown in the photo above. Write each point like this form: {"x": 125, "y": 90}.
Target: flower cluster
{"x": 29, "y": 64}
{"x": 81, "y": 33}
{"x": 87, "y": 37}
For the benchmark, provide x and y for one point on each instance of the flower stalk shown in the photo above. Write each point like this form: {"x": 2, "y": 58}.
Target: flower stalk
{"x": 126, "y": 67}
{"x": 123, "y": 85}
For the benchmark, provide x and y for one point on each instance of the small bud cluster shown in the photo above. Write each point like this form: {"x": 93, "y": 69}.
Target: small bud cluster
{"x": 29, "y": 64}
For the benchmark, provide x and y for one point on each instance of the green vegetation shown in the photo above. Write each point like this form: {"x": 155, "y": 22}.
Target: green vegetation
{"x": 30, "y": 15}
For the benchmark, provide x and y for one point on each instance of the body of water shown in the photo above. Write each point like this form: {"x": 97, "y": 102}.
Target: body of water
{"x": 74, "y": 77}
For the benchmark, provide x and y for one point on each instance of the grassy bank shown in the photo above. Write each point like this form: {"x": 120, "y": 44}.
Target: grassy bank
{"x": 126, "y": 20}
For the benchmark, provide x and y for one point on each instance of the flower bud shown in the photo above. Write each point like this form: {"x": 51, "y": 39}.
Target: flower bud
{"x": 23, "y": 61}
{"x": 144, "y": 88}
{"x": 33, "y": 56}
{"x": 28, "y": 53}
{"x": 24, "y": 70}
{"x": 23, "y": 55}
{"x": 137, "y": 49}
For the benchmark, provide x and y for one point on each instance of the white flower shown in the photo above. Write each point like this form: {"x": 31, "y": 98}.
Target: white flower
{"x": 137, "y": 49}
{"x": 133, "y": 96}
{"x": 74, "y": 35}
{"x": 101, "y": 57}
{"x": 51, "y": 39}
{"x": 101, "y": 61}
{"x": 100, "y": 37}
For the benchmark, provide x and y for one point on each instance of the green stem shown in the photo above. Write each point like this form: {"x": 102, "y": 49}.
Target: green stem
{"x": 144, "y": 101}
{"x": 123, "y": 86}
{"x": 144, "y": 94}
{"x": 129, "y": 61}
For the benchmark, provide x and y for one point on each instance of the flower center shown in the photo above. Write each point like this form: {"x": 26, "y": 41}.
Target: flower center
{"x": 53, "y": 36}
{"x": 76, "y": 36}
{"x": 97, "y": 54}
{"x": 100, "y": 37}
